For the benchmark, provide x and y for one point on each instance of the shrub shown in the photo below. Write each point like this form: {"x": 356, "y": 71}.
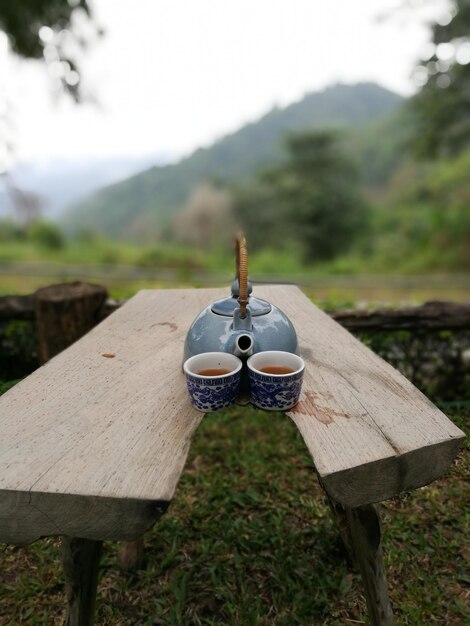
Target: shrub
{"x": 47, "y": 235}
{"x": 10, "y": 231}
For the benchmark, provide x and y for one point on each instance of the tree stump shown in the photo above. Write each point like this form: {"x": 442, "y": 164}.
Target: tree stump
{"x": 64, "y": 313}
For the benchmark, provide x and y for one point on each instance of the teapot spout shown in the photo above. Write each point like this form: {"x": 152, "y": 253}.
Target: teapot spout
{"x": 243, "y": 340}
{"x": 243, "y": 345}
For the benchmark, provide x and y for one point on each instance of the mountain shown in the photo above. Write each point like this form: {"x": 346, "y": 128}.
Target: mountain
{"x": 138, "y": 206}
{"x": 61, "y": 182}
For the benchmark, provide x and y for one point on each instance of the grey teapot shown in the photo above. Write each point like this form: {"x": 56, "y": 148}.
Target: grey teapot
{"x": 240, "y": 324}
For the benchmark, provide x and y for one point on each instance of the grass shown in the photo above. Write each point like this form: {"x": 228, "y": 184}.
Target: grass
{"x": 124, "y": 267}
{"x": 249, "y": 540}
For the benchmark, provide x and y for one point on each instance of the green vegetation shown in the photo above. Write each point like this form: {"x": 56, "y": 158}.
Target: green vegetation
{"x": 142, "y": 206}
{"x": 249, "y": 539}
{"x": 312, "y": 199}
{"x": 46, "y": 234}
{"x": 18, "y": 351}
{"x": 125, "y": 268}
{"x": 309, "y": 207}
{"x": 440, "y": 110}
{"x": 426, "y": 224}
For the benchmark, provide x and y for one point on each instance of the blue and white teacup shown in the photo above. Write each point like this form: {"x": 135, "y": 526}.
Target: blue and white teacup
{"x": 213, "y": 380}
{"x": 275, "y": 379}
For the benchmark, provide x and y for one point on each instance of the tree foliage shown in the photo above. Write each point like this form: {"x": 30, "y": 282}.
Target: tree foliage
{"x": 442, "y": 108}
{"x": 311, "y": 199}
{"x": 24, "y": 22}
{"x": 424, "y": 223}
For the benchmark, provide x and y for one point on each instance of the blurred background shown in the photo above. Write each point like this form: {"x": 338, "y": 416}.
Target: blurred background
{"x": 136, "y": 138}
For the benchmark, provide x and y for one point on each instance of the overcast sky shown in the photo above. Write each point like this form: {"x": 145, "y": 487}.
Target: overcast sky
{"x": 171, "y": 75}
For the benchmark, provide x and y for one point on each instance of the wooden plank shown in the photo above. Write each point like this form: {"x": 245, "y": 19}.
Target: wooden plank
{"x": 370, "y": 432}
{"x": 93, "y": 446}
{"x": 433, "y": 315}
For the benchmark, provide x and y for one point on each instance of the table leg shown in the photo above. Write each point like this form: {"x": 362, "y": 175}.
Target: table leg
{"x": 360, "y": 530}
{"x": 80, "y": 562}
{"x": 131, "y": 555}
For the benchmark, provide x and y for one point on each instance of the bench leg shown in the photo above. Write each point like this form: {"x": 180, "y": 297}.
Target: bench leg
{"x": 80, "y": 562}
{"x": 360, "y": 531}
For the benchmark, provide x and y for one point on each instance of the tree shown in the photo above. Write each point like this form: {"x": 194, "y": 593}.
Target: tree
{"x": 425, "y": 224}
{"x": 257, "y": 212}
{"x": 206, "y": 219}
{"x": 51, "y": 30}
{"x": 27, "y": 205}
{"x": 312, "y": 199}
{"x": 441, "y": 110}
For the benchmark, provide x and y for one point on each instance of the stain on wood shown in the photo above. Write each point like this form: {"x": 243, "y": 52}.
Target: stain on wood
{"x": 171, "y": 325}
{"x": 308, "y": 406}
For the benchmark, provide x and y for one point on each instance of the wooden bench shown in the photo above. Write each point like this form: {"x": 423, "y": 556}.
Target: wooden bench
{"x": 94, "y": 442}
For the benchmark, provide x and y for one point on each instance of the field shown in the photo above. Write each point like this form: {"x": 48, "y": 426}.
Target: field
{"x": 126, "y": 268}
{"x": 249, "y": 540}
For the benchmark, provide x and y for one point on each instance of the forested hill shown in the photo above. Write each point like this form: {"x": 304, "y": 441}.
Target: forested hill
{"x": 138, "y": 206}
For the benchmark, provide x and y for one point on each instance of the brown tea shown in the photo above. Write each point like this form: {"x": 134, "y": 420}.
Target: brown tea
{"x": 215, "y": 371}
{"x": 276, "y": 369}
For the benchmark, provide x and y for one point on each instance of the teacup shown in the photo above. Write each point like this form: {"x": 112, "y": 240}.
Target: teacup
{"x": 278, "y": 387}
{"x": 213, "y": 380}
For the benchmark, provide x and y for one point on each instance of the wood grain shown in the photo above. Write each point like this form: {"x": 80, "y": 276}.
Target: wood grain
{"x": 93, "y": 446}
{"x": 370, "y": 432}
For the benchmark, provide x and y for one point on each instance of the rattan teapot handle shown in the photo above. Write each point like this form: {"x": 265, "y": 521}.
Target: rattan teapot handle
{"x": 242, "y": 272}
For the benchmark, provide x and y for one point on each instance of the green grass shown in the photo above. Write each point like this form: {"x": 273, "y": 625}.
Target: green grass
{"x": 99, "y": 250}
{"x": 249, "y": 540}
{"x": 125, "y": 268}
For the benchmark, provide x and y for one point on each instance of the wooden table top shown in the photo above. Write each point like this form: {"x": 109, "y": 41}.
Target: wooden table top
{"x": 93, "y": 443}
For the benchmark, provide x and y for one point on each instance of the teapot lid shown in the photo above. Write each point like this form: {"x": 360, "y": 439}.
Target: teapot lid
{"x": 226, "y": 306}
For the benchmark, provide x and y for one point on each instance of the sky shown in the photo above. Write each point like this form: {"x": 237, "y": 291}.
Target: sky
{"x": 172, "y": 75}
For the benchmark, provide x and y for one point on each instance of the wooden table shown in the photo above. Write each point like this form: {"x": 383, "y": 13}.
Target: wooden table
{"x": 93, "y": 443}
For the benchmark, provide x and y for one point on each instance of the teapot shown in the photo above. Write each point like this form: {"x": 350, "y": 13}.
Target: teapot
{"x": 240, "y": 324}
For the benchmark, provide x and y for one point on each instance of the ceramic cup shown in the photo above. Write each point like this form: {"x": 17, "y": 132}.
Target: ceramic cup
{"x": 210, "y": 392}
{"x": 275, "y": 391}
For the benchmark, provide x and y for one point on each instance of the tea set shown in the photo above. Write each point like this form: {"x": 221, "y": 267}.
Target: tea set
{"x": 237, "y": 331}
